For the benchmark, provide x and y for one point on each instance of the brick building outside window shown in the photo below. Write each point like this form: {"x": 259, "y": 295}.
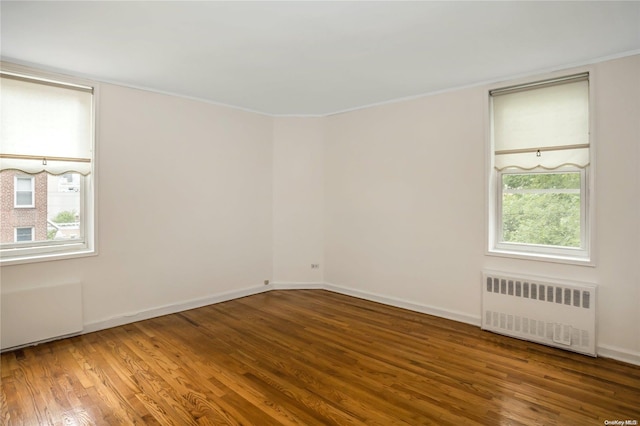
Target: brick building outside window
{"x": 14, "y": 214}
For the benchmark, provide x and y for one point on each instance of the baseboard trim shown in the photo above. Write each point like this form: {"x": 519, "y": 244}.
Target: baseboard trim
{"x": 171, "y": 309}
{"x": 405, "y": 304}
{"x": 619, "y": 354}
{"x": 289, "y": 285}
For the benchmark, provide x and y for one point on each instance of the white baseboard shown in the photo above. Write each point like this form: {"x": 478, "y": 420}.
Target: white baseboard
{"x": 405, "y": 304}
{"x": 171, "y": 309}
{"x": 619, "y": 354}
{"x": 288, "y": 285}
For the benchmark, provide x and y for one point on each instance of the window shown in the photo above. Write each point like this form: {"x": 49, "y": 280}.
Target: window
{"x": 24, "y": 192}
{"x": 541, "y": 160}
{"x": 24, "y": 234}
{"x": 46, "y": 156}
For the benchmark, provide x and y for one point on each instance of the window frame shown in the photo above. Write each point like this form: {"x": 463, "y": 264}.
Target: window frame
{"x": 16, "y": 190}
{"x": 585, "y": 256}
{"x": 40, "y": 251}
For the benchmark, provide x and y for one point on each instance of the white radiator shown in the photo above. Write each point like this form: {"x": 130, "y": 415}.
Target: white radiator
{"x": 40, "y": 314}
{"x": 552, "y": 312}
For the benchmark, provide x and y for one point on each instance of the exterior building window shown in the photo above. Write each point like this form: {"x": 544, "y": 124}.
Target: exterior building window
{"x": 24, "y": 192}
{"x": 24, "y": 234}
{"x": 46, "y": 166}
{"x": 541, "y": 169}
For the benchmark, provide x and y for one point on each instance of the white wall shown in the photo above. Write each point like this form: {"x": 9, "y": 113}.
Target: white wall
{"x": 298, "y": 200}
{"x": 405, "y": 205}
{"x": 184, "y": 213}
{"x": 405, "y": 201}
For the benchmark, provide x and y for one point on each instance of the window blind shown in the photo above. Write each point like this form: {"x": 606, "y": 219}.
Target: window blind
{"x": 45, "y": 126}
{"x": 544, "y": 124}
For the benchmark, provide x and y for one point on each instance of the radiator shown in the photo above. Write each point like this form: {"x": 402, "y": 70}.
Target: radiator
{"x": 552, "y": 312}
{"x": 40, "y": 314}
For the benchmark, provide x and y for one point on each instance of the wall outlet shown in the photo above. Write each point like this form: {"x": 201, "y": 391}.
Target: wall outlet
{"x": 266, "y": 282}
{"x": 315, "y": 266}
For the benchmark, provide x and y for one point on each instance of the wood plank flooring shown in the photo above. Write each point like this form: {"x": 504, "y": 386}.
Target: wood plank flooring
{"x": 309, "y": 357}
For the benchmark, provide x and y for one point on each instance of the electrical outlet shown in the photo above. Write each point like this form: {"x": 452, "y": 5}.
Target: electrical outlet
{"x": 266, "y": 282}
{"x": 315, "y": 266}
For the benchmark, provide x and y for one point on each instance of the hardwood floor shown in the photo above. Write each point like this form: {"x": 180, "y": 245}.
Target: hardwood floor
{"x": 309, "y": 357}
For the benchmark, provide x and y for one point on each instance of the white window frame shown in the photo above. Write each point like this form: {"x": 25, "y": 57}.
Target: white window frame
{"x": 40, "y": 251}
{"x": 583, "y": 256}
{"x": 15, "y": 192}
{"x": 15, "y": 234}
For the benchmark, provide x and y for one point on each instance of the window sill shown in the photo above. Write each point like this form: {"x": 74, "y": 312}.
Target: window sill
{"x": 46, "y": 257}
{"x": 541, "y": 257}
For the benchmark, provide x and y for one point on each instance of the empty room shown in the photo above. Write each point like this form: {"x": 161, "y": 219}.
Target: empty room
{"x": 314, "y": 213}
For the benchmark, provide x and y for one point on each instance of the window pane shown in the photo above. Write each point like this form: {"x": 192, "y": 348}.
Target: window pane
{"x": 24, "y": 234}
{"x": 23, "y": 184}
{"x": 24, "y": 198}
{"x": 542, "y": 209}
{"x": 63, "y": 212}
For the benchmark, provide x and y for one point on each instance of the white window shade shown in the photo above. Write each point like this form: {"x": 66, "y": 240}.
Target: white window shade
{"x": 542, "y": 125}
{"x": 45, "y": 126}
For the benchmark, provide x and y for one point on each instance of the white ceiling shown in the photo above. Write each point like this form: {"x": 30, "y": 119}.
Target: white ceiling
{"x": 312, "y": 58}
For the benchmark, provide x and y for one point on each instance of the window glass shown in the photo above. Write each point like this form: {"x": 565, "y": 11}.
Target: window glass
{"x": 542, "y": 208}
{"x": 24, "y": 234}
{"x": 24, "y": 191}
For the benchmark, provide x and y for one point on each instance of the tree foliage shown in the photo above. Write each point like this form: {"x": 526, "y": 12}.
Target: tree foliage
{"x": 530, "y": 181}
{"x": 541, "y": 208}
{"x": 65, "y": 216}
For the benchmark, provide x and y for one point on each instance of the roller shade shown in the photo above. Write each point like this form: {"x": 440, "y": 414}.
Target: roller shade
{"x": 544, "y": 124}
{"x": 45, "y": 126}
